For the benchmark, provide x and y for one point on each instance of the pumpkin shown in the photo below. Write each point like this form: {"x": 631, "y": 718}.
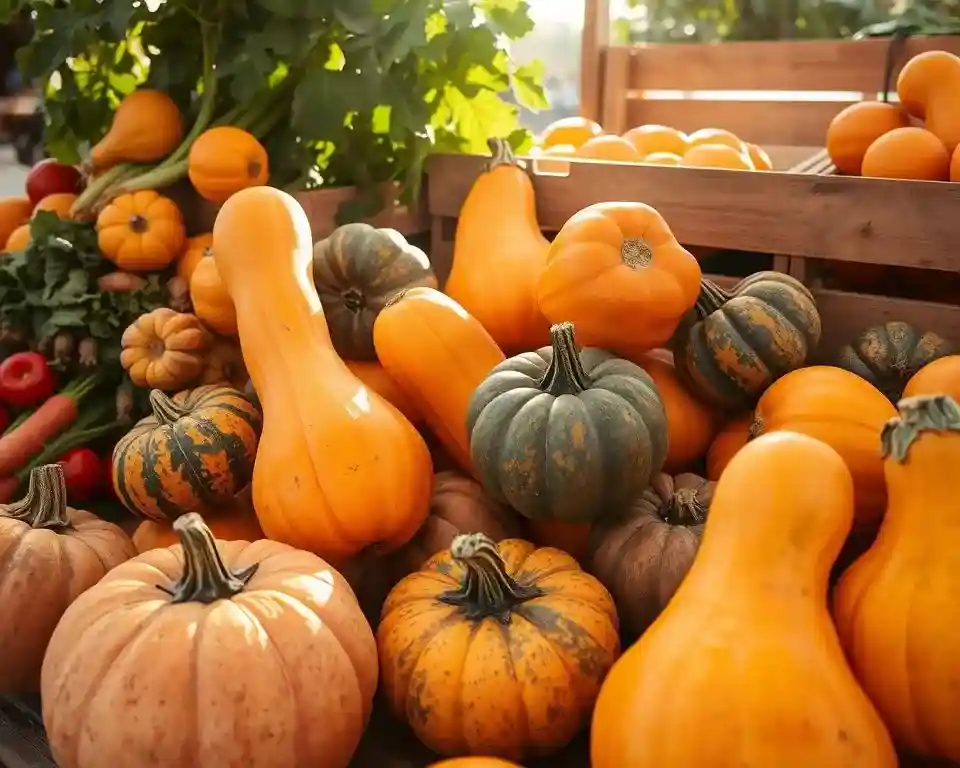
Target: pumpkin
{"x": 438, "y": 354}
{"x": 447, "y": 641}
{"x": 759, "y": 157}
{"x": 727, "y": 444}
{"x": 928, "y": 87}
{"x": 907, "y": 153}
{"x": 210, "y": 299}
{"x": 263, "y": 635}
{"x": 147, "y": 126}
{"x": 585, "y": 449}
{"x": 225, "y": 159}
{"x": 613, "y": 261}
{"x": 193, "y": 453}
{"x": 49, "y": 554}
{"x": 717, "y": 156}
{"x": 498, "y": 235}
{"x": 474, "y": 762}
{"x": 197, "y": 248}
{"x": 713, "y": 137}
{"x": 691, "y": 425}
{"x": 232, "y": 521}
{"x": 224, "y": 365}
{"x": 19, "y": 239}
{"x": 940, "y": 377}
{"x": 656, "y": 139}
{"x": 356, "y": 270}
{"x": 856, "y": 127}
{"x": 642, "y": 555}
{"x": 893, "y": 606}
{"x": 613, "y": 149}
{"x": 141, "y": 231}
{"x": 14, "y": 213}
{"x": 59, "y": 203}
{"x": 573, "y": 131}
{"x": 889, "y": 355}
{"x": 844, "y": 411}
{"x": 572, "y": 538}
{"x": 662, "y": 158}
{"x": 372, "y": 374}
{"x": 736, "y": 343}
{"x": 746, "y": 648}
{"x": 338, "y": 470}
{"x": 164, "y": 349}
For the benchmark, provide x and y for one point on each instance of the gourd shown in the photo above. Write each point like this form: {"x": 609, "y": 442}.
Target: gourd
{"x": 642, "y": 555}
{"x": 892, "y": 607}
{"x": 907, "y": 153}
{"x": 619, "y": 275}
{"x": 337, "y": 468}
{"x": 147, "y": 126}
{"x": 228, "y": 645}
{"x": 573, "y": 131}
{"x": 193, "y": 453}
{"x": 234, "y": 522}
{"x": 718, "y": 156}
{"x": 929, "y": 88}
{"x": 372, "y": 374}
{"x": 49, "y": 554}
{"x": 445, "y": 640}
{"x": 210, "y": 299}
{"x": 856, "y": 127}
{"x": 438, "y": 354}
{"x": 566, "y": 434}
{"x": 712, "y": 137}
{"x": 498, "y": 235}
{"x": 889, "y": 355}
{"x": 746, "y": 648}
{"x": 612, "y": 148}
{"x": 940, "y": 377}
{"x": 727, "y": 444}
{"x": 14, "y": 213}
{"x": 759, "y": 157}
{"x": 737, "y": 342}
{"x": 141, "y": 231}
{"x": 654, "y": 139}
{"x": 356, "y": 270}
{"x": 224, "y": 365}
{"x": 164, "y": 349}
{"x": 197, "y": 248}
{"x": 845, "y": 412}
{"x": 225, "y": 159}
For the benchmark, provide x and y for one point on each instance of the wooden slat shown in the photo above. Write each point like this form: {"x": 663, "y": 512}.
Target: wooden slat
{"x": 835, "y": 65}
{"x": 616, "y": 70}
{"x": 595, "y": 40}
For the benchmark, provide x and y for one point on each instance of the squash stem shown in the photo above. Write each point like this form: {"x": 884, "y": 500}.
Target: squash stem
{"x": 487, "y": 590}
{"x": 565, "y": 376}
{"x": 684, "y": 508}
{"x": 937, "y": 414}
{"x": 711, "y": 298}
{"x": 205, "y": 577}
{"x": 45, "y": 504}
{"x": 165, "y": 411}
{"x": 501, "y": 153}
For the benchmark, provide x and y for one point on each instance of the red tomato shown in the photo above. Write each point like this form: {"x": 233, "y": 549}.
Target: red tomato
{"x": 82, "y": 473}
{"x": 26, "y": 379}
{"x": 48, "y": 177}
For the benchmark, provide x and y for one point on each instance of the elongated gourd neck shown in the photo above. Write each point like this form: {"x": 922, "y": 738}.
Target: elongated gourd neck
{"x": 505, "y": 185}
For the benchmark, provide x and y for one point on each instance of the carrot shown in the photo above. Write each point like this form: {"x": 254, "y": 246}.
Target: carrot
{"x": 120, "y": 282}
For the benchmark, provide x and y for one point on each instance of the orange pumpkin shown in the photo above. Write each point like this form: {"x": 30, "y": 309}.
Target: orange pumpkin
{"x": 714, "y": 137}
{"x": 759, "y": 157}
{"x": 572, "y": 538}
{"x": 231, "y": 522}
{"x": 727, "y": 444}
{"x": 746, "y": 648}
{"x": 856, "y": 127}
{"x": 574, "y": 131}
{"x": 718, "y": 156}
{"x": 59, "y": 203}
{"x": 907, "y": 153}
{"x": 656, "y": 139}
{"x": 223, "y": 364}
{"x": 224, "y": 160}
{"x": 14, "y": 213}
{"x": 474, "y": 762}
{"x": 372, "y": 374}
{"x": 619, "y": 275}
{"x": 141, "y": 231}
{"x": 197, "y": 248}
{"x": 941, "y": 377}
{"x": 614, "y": 149}
{"x": 210, "y": 299}
{"x": 19, "y": 239}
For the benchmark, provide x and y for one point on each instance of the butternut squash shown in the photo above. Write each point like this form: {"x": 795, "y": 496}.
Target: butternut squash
{"x": 746, "y": 649}
{"x": 146, "y": 127}
{"x": 338, "y": 469}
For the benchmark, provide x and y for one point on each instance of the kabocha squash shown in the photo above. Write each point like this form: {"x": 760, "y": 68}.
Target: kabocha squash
{"x": 14, "y": 213}
{"x": 616, "y": 271}
{"x": 224, "y": 160}
{"x": 210, "y": 299}
{"x": 338, "y": 469}
{"x": 356, "y": 270}
{"x": 228, "y": 646}
{"x": 746, "y": 648}
{"x": 228, "y": 524}
{"x": 929, "y": 88}
{"x": 735, "y": 344}
{"x": 498, "y": 254}
{"x": 894, "y": 606}
{"x": 567, "y": 434}
{"x": 727, "y": 444}
{"x": 448, "y": 638}
{"x": 146, "y": 127}
{"x": 438, "y": 354}
{"x": 224, "y": 365}
{"x": 164, "y": 349}
{"x": 141, "y": 231}
{"x": 941, "y": 377}
{"x": 194, "y": 453}
{"x": 197, "y": 248}
{"x": 49, "y": 554}
{"x": 642, "y": 555}
{"x": 844, "y": 411}
{"x": 372, "y": 375}
{"x": 889, "y": 355}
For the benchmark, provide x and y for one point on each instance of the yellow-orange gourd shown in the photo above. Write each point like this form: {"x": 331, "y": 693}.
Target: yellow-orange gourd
{"x": 146, "y": 127}
{"x": 211, "y": 300}
{"x": 929, "y": 88}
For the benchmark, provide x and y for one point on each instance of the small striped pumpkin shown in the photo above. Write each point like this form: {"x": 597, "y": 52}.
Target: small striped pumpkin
{"x": 194, "y": 453}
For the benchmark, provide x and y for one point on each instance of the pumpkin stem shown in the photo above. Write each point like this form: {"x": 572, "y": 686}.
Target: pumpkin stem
{"x": 205, "y": 577}
{"x": 565, "y": 376}
{"x": 354, "y": 300}
{"x": 165, "y": 411}
{"x": 756, "y": 427}
{"x": 636, "y": 253}
{"x": 45, "y": 505}
{"x": 711, "y": 298}
{"x": 502, "y": 154}
{"x": 930, "y": 413}
{"x": 684, "y": 508}
{"x": 139, "y": 224}
{"x": 487, "y": 590}
{"x": 396, "y": 298}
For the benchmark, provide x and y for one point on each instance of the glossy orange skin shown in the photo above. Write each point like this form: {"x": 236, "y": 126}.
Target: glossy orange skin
{"x": 728, "y": 442}
{"x": 229, "y": 525}
{"x": 146, "y": 127}
{"x": 338, "y": 468}
{"x": 59, "y": 203}
{"x": 856, "y": 127}
{"x": 718, "y": 156}
{"x": 929, "y": 88}
{"x": 844, "y": 411}
{"x": 197, "y": 247}
{"x": 19, "y": 239}
{"x": 907, "y": 153}
{"x": 746, "y": 647}
{"x": 226, "y": 159}
{"x": 759, "y": 157}
{"x": 941, "y": 377}
{"x": 715, "y": 136}
{"x": 211, "y": 300}
{"x": 14, "y": 213}
{"x": 374, "y": 376}
{"x": 613, "y": 306}
{"x": 147, "y": 251}
{"x": 474, "y": 762}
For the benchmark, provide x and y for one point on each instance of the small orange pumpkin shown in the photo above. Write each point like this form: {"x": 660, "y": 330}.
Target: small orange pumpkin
{"x": 572, "y": 131}
{"x": 197, "y": 248}
{"x": 234, "y": 521}
{"x": 224, "y": 160}
{"x": 657, "y": 139}
{"x": 141, "y": 231}
{"x": 59, "y": 203}
{"x": 19, "y": 239}
{"x": 14, "y": 213}
{"x": 211, "y": 300}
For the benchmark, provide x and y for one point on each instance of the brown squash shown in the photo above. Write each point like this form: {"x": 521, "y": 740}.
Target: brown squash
{"x": 888, "y": 355}
{"x": 146, "y": 127}
{"x": 164, "y": 349}
{"x": 210, "y": 299}
{"x": 736, "y": 343}
{"x": 224, "y": 160}
{"x": 356, "y": 270}
{"x": 224, "y": 365}
{"x": 642, "y": 555}
{"x": 727, "y": 444}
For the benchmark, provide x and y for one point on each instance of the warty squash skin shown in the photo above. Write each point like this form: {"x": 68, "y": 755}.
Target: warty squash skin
{"x": 746, "y": 649}
{"x": 496, "y": 649}
{"x": 214, "y": 654}
{"x": 895, "y": 608}
{"x": 338, "y": 468}
{"x": 498, "y": 254}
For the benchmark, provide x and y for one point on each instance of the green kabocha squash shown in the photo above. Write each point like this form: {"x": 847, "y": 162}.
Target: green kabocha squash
{"x": 889, "y": 355}
{"x": 734, "y": 344}
{"x": 356, "y": 270}
{"x": 566, "y": 434}
{"x": 193, "y": 454}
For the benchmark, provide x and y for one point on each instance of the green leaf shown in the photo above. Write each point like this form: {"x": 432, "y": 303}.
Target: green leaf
{"x": 527, "y": 84}
{"x": 508, "y": 17}
{"x": 324, "y": 99}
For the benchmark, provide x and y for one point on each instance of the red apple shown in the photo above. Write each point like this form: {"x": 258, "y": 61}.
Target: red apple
{"x": 48, "y": 177}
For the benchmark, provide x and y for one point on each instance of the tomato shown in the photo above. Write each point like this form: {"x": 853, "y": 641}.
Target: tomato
{"x": 48, "y": 177}
{"x": 82, "y": 473}
{"x": 26, "y": 379}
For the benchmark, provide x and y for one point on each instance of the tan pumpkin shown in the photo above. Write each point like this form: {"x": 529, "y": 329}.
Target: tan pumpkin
{"x": 164, "y": 349}
{"x": 224, "y": 160}
{"x": 224, "y": 365}
{"x": 141, "y": 231}
{"x": 211, "y": 300}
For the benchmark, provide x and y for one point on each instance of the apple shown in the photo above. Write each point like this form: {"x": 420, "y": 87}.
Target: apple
{"x": 48, "y": 177}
